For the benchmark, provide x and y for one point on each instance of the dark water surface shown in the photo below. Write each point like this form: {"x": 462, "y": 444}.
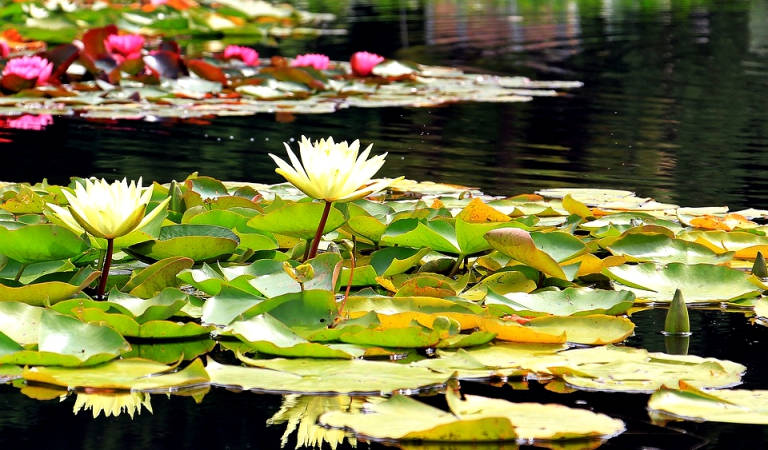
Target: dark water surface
{"x": 673, "y": 107}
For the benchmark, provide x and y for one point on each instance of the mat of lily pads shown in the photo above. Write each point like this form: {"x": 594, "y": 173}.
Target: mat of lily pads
{"x": 444, "y": 283}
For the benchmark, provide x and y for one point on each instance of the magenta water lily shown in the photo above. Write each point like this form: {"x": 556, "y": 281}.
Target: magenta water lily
{"x": 362, "y": 63}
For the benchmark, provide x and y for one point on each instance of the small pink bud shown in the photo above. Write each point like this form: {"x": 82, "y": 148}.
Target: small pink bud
{"x": 363, "y": 62}
{"x": 4, "y": 49}
{"x": 29, "y": 68}
{"x": 316, "y": 60}
{"x": 245, "y": 54}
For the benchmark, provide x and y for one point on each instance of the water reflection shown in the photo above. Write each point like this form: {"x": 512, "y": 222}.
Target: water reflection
{"x": 27, "y": 122}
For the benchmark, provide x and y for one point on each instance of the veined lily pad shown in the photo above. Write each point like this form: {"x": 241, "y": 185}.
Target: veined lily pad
{"x": 197, "y": 242}
{"x": 689, "y": 403}
{"x": 627, "y": 369}
{"x": 171, "y": 352}
{"x": 44, "y": 242}
{"x": 48, "y": 292}
{"x": 568, "y": 302}
{"x": 322, "y": 376}
{"x": 151, "y": 280}
{"x": 595, "y": 329}
{"x": 383, "y": 263}
{"x": 66, "y": 341}
{"x": 20, "y": 321}
{"x": 297, "y": 219}
{"x": 156, "y": 329}
{"x": 520, "y": 246}
{"x": 662, "y": 249}
{"x": 162, "y": 306}
{"x": 698, "y": 283}
{"x": 745, "y": 245}
{"x": 461, "y": 238}
{"x": 472, "y": 418}
{"x": 134, "y": 374}
{"x": 265, "y": 334}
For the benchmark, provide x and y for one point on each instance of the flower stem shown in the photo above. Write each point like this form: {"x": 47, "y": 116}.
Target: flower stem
{"x": 105, "y": 270}
{"x": 21, "y": 270}
{"x": 320, "y": 228}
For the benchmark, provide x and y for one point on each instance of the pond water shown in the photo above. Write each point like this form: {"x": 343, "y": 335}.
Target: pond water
{"x": 673, "y": 107}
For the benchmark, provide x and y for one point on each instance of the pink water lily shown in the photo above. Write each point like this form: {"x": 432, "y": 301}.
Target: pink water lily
{"x": 33, "y": 68}
{"x": 245, "y": 54}
{"x": 315, "y": 60}
{"x": 362, "y": 63}
{"x": 124, "y": 46}
{"x": 30, "y": 122}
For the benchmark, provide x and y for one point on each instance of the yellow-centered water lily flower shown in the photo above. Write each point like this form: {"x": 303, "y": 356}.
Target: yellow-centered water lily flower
{"x": 332, "y": 171}
{"x": 107, "y": 210}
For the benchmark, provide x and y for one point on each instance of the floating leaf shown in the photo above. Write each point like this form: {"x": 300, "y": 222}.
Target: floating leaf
{"x": 44, "y": 242}
{"x": 568, "y": 302}
{"x": 472, "y": 418}
{"x": 698, "y": 283}
{"x": 197, "y": 242}
{"x": 48, "y": 292}
{"x": 66, "y": 341}
{"x": 160, "y": 275}
{"x": 662, "y": 249}
{"x": 689, "y": 403}
{"x": 594, "y": 329}
{"x": 297, "y": 219}
{"x": 519, "y": 245}
{"x": 129, "y": 374}
{"x": 319, "y": 376}
{"x": 627, "y": 369}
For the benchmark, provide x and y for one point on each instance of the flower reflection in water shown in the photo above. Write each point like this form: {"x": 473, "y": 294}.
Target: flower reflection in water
{"x": 112, "y": 404}
{"x": 28, "y": 122}
{"x": 300, "y": 414}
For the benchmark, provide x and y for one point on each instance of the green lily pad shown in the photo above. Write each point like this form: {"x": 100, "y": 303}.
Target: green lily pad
{"x": 745, "y": 245}
{"x": 49, "y": 292}
{"x": 500, "y": 283}
{"x": 460, "y": 237}
{"x": 626, "y": 369}
{"x": 297, "y": 219}
{"x": 661, "y": 249}
{"x": 699, "y": 283}
{"x": 160, "y": 275}
{"x": 197, "y": 242}
{"x": 267, "y": 335}
{"x": 520, "y": 245}
{"x": 20, "y": 322}
{"x": 171, "y": 352}
{"x": 596, "y": 329}
{"x": 568, "y": 302}
{"x": 125, "y": 374}
{"x": 66, "y": 341}
{"x": 162, "y": 306}
{"x": 320, "y": 376}
{"x": 43, "y": 242}
{"x": 33, "y": 271}
{"x": 8, "y": 345}
{"x": 383, "y": 263}
{"x": 689, "y": 403}
{"x": 472, "y": 418}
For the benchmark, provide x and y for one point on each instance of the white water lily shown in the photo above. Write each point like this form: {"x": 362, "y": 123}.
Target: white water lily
{"x": 332, "y": 171}
{"x": 107, "y": 210}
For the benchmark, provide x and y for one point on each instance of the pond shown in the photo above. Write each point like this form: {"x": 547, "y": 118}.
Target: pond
{"x": 672, "y": 107}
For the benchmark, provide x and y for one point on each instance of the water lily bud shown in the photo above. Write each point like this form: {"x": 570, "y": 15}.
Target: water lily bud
{"x": 759, "y": 269}
{"x": 677, "y": 321}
